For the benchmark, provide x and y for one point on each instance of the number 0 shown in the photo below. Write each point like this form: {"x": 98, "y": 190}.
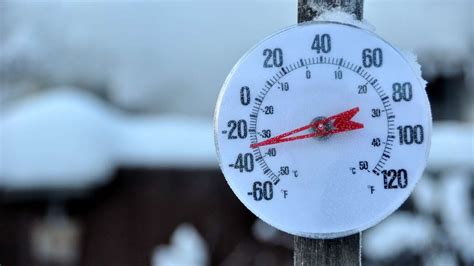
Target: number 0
{"x": 245, "y": 95}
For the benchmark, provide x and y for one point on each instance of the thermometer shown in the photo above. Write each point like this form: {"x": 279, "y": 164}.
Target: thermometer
{"x": 323, "y": 129}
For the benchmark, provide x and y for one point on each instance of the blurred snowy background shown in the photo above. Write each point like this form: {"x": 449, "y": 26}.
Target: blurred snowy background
{"x": 106, "y": 145}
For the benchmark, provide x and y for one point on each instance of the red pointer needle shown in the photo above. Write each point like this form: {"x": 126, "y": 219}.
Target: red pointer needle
{"x": 341, "y": 122}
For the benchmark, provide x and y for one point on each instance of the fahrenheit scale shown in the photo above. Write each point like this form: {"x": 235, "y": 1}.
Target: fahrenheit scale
{"x": 323, "y": 129}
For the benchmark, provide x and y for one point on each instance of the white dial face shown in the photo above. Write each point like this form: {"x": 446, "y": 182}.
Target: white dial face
{"x": 322, "y": 130}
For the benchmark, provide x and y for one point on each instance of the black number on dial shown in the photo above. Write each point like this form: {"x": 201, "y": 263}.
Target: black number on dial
{"x": 411, "y": 134}
{"x": 245, "y": 95}
{"x": 402, "y": 92}
{"x": 376, "y": 142}
{"x": 376, "y": 112}
{"x": 372, "y": 57}
{"x": 268, "y": 110}
{"x": 362, "y": 89}
{"x": 237, "y": 129}
{"x": 262, "y": 191}
{"x": 274, "y": 58}
{"x": 271, "y": 152}
{"x": 284, "y": 170}
{"x": 363, "y": 165}
{"x": 244, "y": 162}
{"x": 266, "y": 133}
{"x": 322, "y": 43}
{"x": 389, "y": 177}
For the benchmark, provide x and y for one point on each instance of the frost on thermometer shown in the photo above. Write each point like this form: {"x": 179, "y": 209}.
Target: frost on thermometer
{"x": 322, "y": 130}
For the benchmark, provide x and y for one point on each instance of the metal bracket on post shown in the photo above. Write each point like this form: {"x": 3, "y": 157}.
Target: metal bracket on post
{"x": 344, "y": 250}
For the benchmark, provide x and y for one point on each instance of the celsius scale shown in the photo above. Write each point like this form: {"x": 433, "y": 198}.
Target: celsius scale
{"x": 323, "y": 129}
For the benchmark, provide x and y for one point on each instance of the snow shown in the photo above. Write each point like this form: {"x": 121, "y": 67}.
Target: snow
{"x": 152, "y": 55}
{"x": 425, "y": 195}
{"x": 58, "y": 139}
{"x": 455, "y": 209}
{"x": 401, "y": 232}
{"x": 441, "y": 259}
{"x": 343, "y": 17}
{"x": 412, "y": 60}
{"x": 145, "y": 55}
{"x": 67, "y": 138}
{"x": 187, "y": 247}
{"x": 447, "y": 197}
{"x": 166, "y": 141}
{"x": 452, "y": 146}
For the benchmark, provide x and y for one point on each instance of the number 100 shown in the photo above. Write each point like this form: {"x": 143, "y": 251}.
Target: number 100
{"x": 411, "y": 134}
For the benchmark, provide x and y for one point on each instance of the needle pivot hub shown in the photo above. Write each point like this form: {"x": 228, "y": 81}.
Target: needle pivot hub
{"x": 324, "y": 126}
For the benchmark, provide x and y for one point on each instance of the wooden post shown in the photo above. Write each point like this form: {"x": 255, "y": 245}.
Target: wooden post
{"x": 309, "y": 9}
{"x": 344, "y": 250}
{"x": 338, "y": 251}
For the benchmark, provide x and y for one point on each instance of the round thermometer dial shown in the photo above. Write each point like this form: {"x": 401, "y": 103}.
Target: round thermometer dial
{"x": 322, "y": 130}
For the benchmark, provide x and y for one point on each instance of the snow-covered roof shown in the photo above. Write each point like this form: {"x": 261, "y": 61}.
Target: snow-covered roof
{"x": 66, "y": 138}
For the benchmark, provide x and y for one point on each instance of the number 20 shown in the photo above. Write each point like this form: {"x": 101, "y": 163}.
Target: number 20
{"x": 275, "y": 55}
